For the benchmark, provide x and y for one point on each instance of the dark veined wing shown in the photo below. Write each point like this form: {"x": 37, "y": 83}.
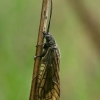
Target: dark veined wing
{"x": 48, "y": 83}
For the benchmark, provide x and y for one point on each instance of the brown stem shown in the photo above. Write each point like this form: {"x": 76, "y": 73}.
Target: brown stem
{"x": 42, "y": 27}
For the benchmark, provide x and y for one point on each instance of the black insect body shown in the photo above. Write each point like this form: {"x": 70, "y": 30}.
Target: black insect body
{"x": 50, "y": 42}
{"x": 48, "y": 83}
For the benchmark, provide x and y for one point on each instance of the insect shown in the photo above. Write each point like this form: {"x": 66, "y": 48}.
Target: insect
{"x": 48, "y": 82}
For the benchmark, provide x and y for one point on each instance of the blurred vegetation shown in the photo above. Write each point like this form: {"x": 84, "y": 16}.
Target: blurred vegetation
{"x": 76, "y": 27}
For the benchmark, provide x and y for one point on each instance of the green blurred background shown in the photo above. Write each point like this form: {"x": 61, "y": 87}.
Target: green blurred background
{"x": 76, "y": 27}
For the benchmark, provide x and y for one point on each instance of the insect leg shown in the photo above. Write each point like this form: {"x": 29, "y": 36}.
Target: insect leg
{"x": 42, "y": 55}
{"x": 40, "y": 44}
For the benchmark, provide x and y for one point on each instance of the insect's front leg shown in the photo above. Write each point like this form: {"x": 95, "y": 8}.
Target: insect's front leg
{"x": 40, "y": 44}
{"x": 42, "y": 55}
{"x": 37, "y": 57}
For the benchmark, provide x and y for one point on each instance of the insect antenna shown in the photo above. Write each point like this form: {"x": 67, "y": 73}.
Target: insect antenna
{"x": 49, "y": 18}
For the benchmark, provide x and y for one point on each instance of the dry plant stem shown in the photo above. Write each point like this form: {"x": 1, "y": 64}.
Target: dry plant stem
{"x": 42, "y": 27}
